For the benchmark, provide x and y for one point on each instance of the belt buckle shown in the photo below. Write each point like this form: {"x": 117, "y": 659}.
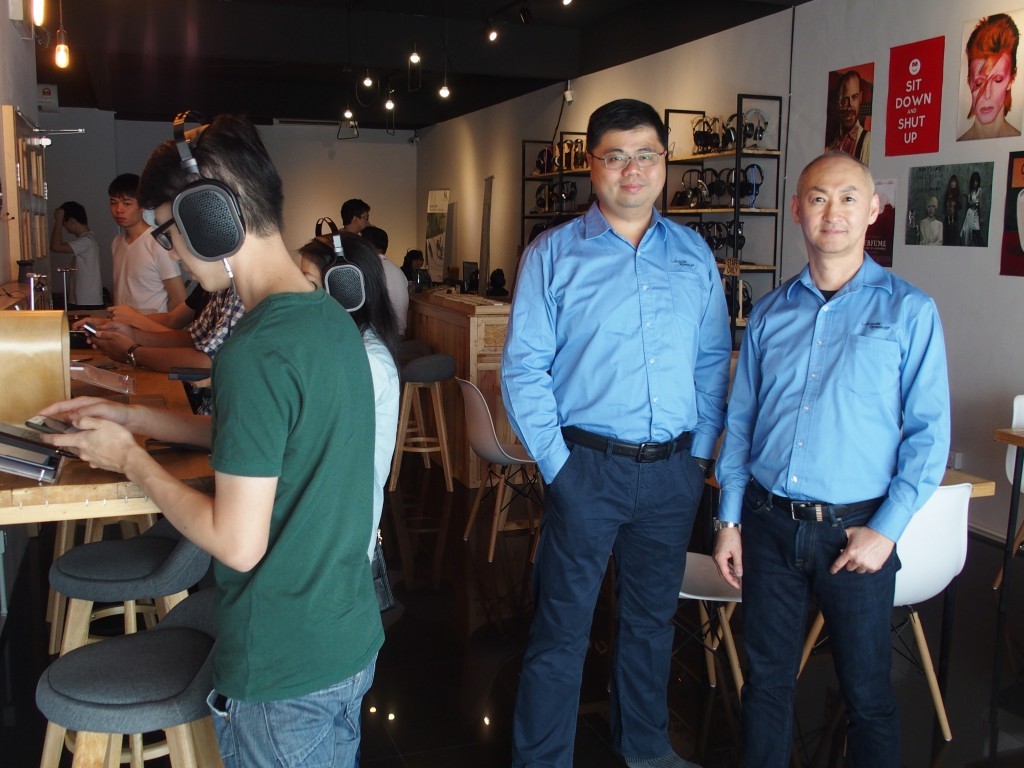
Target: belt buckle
{"x": 641, "y": 453}
{"x": 819, "y": 514}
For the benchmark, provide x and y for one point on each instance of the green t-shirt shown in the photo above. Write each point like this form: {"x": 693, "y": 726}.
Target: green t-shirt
{"x": 293, "y": 399}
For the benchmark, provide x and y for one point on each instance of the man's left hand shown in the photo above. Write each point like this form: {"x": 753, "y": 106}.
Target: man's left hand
{"x": 866, "y": 551}
{"x": 101, "y": 443}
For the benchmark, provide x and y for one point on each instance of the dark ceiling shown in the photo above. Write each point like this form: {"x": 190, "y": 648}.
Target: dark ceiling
{"x": 302, "y": 59}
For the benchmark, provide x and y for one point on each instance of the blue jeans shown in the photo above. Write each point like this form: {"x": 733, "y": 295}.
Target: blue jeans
{"x": 784, "y": 562}
{"x": 318, "y": 730}
{"x": 601, "y": 504}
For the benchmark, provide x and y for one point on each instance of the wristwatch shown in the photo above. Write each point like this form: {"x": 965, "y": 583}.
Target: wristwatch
{"x": 130, "y": 355}
{"x": 718, "y": 525}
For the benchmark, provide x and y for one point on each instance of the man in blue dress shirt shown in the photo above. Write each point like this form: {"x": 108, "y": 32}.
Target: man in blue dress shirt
{"x": 614, "y": 376}
{"x": 837, "y": 433}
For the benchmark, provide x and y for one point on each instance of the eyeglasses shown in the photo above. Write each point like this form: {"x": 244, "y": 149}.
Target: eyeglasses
{"x": 640, "y": 159}
{"x": 160, "y": 235}
{"x": 364, "y": 217}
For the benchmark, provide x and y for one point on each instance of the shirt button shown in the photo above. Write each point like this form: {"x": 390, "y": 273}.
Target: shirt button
{"x": 644, "y": 287}
{"x": 814, "y": 375}
{"x": 654, "y": 399}
{"x": 800, "y": 443}
{"x": 825, "y": 308}
{"x": 651, "y": 361}
{"x": 807, "y": 409}
{"x": 794, "y": 479}
{"x": 820, "y": 342}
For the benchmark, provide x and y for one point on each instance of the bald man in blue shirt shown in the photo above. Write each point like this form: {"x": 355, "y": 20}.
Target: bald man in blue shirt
{"x": 837, "y": 433}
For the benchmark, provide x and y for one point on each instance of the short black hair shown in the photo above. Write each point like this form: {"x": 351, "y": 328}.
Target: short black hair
{"x": 231, "y": 151}
{"x": 125, "y": 185}
{"x": 377, "y": 237}
{"x": 76, "y": 211}
{"x": 624, "y": 115}
{"x": 350, "y": 209}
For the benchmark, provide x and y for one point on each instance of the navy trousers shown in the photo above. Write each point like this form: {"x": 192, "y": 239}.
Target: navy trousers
{"x": 642, "y": 513}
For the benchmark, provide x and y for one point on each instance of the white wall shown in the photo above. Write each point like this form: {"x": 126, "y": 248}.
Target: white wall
{"x": 982, "y": 312}
{"x": 319, "y": 173}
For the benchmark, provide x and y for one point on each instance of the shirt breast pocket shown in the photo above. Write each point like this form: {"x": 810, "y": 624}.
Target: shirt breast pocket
{"x": 687, "y": 297}
{"x": 870, "y": 365}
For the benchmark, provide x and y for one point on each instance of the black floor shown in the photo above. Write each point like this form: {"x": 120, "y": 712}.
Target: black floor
{"x": 446, "y": 677}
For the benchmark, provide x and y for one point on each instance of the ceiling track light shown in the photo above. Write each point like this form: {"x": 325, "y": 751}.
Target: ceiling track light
{"x": 62, "y": 57}
{"x": 490, "y": 31}
{"x": 525, "y": 14}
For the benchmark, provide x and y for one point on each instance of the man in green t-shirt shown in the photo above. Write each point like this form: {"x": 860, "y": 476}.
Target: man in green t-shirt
{"x": 291, "y": 440}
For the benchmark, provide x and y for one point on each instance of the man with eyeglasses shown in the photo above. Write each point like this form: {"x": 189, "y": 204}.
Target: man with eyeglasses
{"x": 852, "y": 138}
{"x": 355, "y": 216}
{"x": 614, "y": 376}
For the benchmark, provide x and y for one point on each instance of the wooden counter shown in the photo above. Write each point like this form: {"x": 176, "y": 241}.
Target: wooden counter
{"x": 82, "y": 492}
{"x": 471, "y": 329}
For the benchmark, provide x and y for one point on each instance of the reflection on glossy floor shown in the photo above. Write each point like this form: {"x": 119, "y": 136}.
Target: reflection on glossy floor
{"x": 447, "y": 675}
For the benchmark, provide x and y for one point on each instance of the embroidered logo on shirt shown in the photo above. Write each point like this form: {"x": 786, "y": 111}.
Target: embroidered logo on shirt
{"x": 876, "y": 326}
{"x": 682, "y": 263}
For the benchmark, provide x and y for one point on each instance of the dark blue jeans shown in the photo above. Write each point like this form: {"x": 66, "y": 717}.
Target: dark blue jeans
{"x": 784, "y": 563}
{"x": 601, "y": 504}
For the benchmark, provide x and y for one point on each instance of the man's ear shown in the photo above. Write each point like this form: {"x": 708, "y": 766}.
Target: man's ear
{"x": 876, "y": 207}
{"x": 794, "y": 208}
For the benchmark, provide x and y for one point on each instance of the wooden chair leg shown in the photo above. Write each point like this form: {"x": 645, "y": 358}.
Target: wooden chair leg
{"x": 421, "y": 423}
{"x": 485, "y": 481}
{"x": 136, "y": 752}
{"x": 442, "y": 435}
{"x": 724, "y": 616}
{"x": 707, "y": 637}
{"x": 498, "y": 519}
{"x": 97, "y": 750}
{"x": 812, "y": 638}
{"x": 76, "y": 627}
{"x": 929, "y": 673}
{"x": 180, "y": 746}
{"x": 403, "y": 425}
{"x": 53, "y": 746}
{"x": 205, "y": 740}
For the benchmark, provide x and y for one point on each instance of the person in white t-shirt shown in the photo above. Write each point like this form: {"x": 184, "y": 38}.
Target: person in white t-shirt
{"x": 398, "y": 285}
{"x": 87, "y": 286}
{"x": 145, "y": 275}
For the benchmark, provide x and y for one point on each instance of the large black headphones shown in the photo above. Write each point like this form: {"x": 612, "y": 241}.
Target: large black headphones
{"x": 729, "y": 131}
{"x": 755, "y": 121}
{"x": 344, "y": 280}
{"x": 206, "y": 211}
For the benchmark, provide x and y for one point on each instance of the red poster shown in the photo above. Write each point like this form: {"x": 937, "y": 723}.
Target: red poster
{"x": 915, "y": 98}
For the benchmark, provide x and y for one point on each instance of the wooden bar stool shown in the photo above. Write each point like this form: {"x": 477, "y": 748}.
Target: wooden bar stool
{"x": 150, "y": 681}
{"x": 423, "y": 373}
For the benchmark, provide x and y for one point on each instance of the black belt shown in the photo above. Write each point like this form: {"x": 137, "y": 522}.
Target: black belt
{"x": 815, "y": 511}
{"x": 642, "y": 452}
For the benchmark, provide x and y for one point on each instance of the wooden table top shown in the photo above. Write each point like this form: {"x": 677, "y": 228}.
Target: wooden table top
{"x": 1010, "y": 437}
{"x": 82, "y": 492}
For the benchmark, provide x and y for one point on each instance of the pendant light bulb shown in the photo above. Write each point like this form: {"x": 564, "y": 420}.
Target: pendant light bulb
{"x": 347, "y": 113}
{"x": 368, "y": 81}
{"x": 38, "y": 12}
{"x": 63, "y": 54}
{"x": 390, "y": 103}
{"x": 444, "y": 93}
{"x": 414, "y": 57}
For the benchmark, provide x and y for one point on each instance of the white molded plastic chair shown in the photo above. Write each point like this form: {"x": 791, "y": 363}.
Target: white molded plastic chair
{"x": 1011, "y": 455}
{"x": 508, "y": 466}
{"x": 932, "y": 551}
{"x": 702, "y": 582}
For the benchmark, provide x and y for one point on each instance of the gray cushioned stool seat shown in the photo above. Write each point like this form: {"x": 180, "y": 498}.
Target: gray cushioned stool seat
{"x": 429, "y": 368}
{"x": 137, "y": 683}
{"x": 159, "y": 562}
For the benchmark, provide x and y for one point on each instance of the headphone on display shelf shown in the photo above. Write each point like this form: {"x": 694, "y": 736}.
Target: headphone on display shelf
{"x": 716, "y": 235}
{"x": 344, "y": 280}
{"x": 729, "y": 131}
{"x": 750, "y": 184}
{"x": 206, "y": 211}
{"x": 699, "y": 195}
{"x": 704, "y": 137}
{"x": 755, "y": 121}
{"x": 715, "y": 182}
{"x": 735, "y": 238}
